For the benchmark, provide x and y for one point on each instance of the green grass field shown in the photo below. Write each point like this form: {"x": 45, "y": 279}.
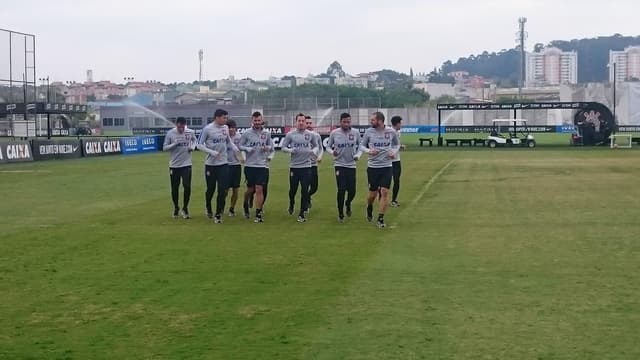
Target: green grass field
{"x": 503, "y": 254}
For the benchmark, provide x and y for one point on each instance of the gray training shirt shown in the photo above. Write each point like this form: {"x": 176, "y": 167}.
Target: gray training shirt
{"x": 215, "y": 141}
{"x": 385, "y": 141}
{"x": 347, "y": 144}
{"x": 253, "y": 143}
{"x": 303, "y": 147}
{"x": 232, "y": 156}
{"x": 179, "y": 147}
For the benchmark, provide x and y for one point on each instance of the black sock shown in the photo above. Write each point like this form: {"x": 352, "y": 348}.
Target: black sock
{"x": 380, "y": 217}
{"x": 258, "y": 212}
{"x": 231, "y": 210}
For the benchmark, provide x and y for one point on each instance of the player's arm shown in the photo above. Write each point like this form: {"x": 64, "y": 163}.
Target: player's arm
{"x": 285, "y": 144}
{"x": 271, "y": 146}
{"x": 244, "y": 143}
{"x": 243, "y": 157}
{"x": 192, "y": 141}
{"x": 168, "y": 143}
{"x": 320, "y": 148}
{"x": 202, "y": 144}
{"x": 315, "y": 149}
{"x": 331, "y": 144}
{"x": 230, "y": 144}
{"x": 395, "y": 145}
{"x": 358, "y": 142}
{"x": 364, "y": 144}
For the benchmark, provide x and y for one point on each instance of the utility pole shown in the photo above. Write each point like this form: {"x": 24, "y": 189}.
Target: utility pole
{"x": 48, "y": 101}
{"x": 522, "y": 37}
{"x": 615, "y": 75}
{"x": 201, "y": 58}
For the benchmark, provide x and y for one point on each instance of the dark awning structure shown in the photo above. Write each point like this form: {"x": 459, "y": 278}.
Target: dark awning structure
{"x": 40, "y": 108}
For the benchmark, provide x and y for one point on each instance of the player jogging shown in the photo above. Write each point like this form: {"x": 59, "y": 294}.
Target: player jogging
{"x": 313, "y": 179}
{"x": 215, "y": 141}
{"x": 396, "y": 124}
{"x": 256, "y": 143}
{"x": 303, "y": 147}
{"x": 382, "y": 145}
{"x": 180, "y": 142}
{"x": 235, "y": 167}
{"x": 344, "y": 144}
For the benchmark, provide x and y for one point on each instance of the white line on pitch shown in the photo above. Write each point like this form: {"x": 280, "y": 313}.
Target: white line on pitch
{"x": 423, "y": 192}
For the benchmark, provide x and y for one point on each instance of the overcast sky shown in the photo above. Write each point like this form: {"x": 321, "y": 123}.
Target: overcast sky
{"x": 159, "y": 39}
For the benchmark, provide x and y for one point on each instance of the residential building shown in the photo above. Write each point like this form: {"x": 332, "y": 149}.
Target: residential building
{"x": 231, "y": 83}
{"x": 311, "y": 80}
{"x": 274, "y": 82}
{"x": 627, "y": 64}
{"x": 551, "y": 67}
{"x": 436, "y": 90}
{"x": 359, "y": 82}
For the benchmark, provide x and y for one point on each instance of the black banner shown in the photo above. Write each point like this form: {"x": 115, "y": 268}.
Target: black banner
{"x": 488, "y": 129}
{"x": 155, "y": 131}
{"x": 101, "y": 147}
{"x": 54, "y": 132}
{"x": 629, "y": 128}
{"x": 41, "y": 108}
{"x": 516, "y": 106}
{"x": 15, "y": 151}
{"x": 56, "y": 149}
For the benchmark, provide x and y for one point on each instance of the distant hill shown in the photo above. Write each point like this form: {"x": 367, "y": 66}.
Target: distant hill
{"x": 503, "y": 66}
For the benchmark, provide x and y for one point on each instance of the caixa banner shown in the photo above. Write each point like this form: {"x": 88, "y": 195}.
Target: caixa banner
{"x": 139, "y": 144}
{"x": 56, "y": 149}
{"x": 15, "y": 151}
{"x": 101, "y": 147}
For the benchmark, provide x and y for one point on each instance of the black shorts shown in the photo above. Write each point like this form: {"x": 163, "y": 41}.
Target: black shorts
{"x": 379, "y": 178}
{"x": 235, "y": 176}
{"x": 256, "y": 176}
{"x": 345, "y": 177}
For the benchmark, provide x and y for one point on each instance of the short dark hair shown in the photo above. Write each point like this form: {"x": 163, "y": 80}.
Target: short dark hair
{"x": 220, "y": 112}
{"x": 396, "y": 120}
{"x": 344, "y": 116}
{"x": 308, "y": 117}
{"x": 181, "y": 120}
{"x": 301, "y": 114}
{"x": 256, "y": 114}
{"x": 379, "y": 116}
{"x": 232, "y": 124}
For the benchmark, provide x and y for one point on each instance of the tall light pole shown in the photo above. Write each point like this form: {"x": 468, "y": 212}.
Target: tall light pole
{"x": 522, "y": 36}
{"x": 48, "y": 113}
{"x": 615, "y": 79}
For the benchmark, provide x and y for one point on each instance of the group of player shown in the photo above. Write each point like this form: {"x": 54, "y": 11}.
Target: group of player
{"x": 227, "y": 151}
